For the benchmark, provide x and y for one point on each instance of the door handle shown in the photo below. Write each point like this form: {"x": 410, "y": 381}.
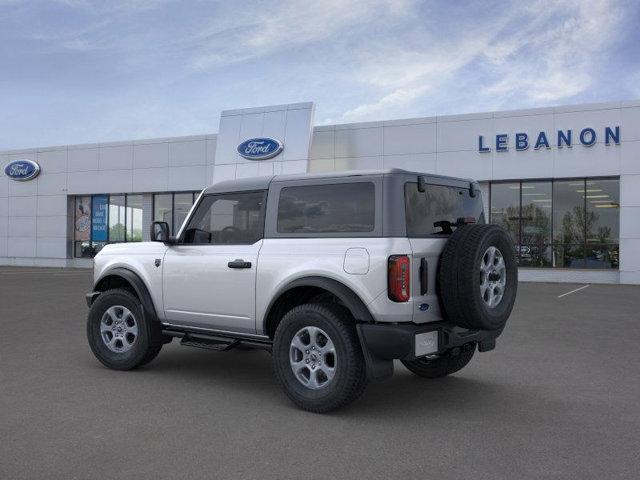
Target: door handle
{"x": 239, "y": 263}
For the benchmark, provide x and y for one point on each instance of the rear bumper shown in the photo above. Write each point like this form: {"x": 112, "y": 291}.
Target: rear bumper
{"x": 382, "y": 343}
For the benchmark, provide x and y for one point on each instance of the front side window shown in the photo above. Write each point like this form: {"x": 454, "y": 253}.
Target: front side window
{"x": 337, "y": 208}
{"x": 425, "y": 211}
{"x": 227, "y": 219}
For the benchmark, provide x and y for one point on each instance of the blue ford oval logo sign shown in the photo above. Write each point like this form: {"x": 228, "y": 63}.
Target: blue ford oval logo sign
{"x": 22, "y": 170}
{"x": 260, "y": 148}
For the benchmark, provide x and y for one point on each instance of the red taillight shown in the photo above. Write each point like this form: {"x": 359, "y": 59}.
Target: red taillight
{"x": 399, "y": 278}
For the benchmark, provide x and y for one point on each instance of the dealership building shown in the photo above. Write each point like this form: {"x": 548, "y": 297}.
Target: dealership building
{"x": 564, "y": 181}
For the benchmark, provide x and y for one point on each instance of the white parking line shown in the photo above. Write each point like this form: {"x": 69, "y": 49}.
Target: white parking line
{"x": 573, "y": 291}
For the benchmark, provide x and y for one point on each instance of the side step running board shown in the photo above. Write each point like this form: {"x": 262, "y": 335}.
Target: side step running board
{"x": 220, "y": 344}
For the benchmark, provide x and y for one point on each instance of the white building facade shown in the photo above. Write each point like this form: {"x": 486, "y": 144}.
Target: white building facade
{"x": 564, "y": 181}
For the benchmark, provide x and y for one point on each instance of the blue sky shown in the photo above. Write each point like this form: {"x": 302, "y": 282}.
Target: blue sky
{"x": 77, "y": 71}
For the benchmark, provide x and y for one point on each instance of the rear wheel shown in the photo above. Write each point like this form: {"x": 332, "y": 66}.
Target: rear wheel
{"x": 118, "y": 334}
{"x": 317, "y": 357}
{"x": 443, "y": 365}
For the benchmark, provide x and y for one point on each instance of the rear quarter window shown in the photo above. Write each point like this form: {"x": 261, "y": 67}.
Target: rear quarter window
{"x": 337, "y": 208}
{"x": 438, "y": 203}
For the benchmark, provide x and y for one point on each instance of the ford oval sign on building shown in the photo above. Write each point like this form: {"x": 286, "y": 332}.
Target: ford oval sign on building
{"x": 22, "y": 170}
{"x": 260, "y": 148}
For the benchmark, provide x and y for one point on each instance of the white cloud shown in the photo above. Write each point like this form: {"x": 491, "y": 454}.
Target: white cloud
{"x": 404, "y": 77}
{"x": 287, "y": 25}
{"x": 544, "y": 52}
{"x": 557, "y": 62}
{"x": 397, "y": 98}
{"x": 161, "y": 68}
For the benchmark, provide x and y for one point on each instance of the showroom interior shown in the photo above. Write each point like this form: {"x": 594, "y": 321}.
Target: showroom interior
{"x": 564, "y": 181}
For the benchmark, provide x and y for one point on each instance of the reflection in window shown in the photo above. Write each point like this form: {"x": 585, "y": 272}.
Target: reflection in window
{"x": 535, "y": 241}
{"x": 505, "y": 208}
{"x": 603, "y": 223}
{"x": 565, "y": 224}
{"x": 568, "y": 256}
{"x": 117, "y": 218}
{"x": 234, "y": 218}
{"x": 345, "y": 207}
{"x": 102, "y": 219}
{"x": 82, "y": 227}
{"x": 438, "y": 203}
{"x": 568, "y": 212}
{"x": 134, "y": 218}
{"x": 173, "y": 208}
{"x": 163, "y": 209}
{"x": 603, "y": 211}
{"x": 182, "y": 204}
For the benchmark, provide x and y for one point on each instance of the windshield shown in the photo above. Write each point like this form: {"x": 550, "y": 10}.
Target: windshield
{"x": 438, "y": 203}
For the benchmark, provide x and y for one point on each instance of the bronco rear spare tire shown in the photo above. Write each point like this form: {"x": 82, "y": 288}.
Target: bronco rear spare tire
{"x": 478, "y": 277}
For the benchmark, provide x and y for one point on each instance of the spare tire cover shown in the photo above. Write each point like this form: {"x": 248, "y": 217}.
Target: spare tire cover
{"x": 478, "y": 277}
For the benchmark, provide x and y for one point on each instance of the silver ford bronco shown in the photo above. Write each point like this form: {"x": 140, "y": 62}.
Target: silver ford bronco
{"x": 337, "y": 275}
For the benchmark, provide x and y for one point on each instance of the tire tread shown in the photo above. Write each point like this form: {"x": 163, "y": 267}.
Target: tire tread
{"x": 356, "y": 381}
{"x": 144, "y": 355}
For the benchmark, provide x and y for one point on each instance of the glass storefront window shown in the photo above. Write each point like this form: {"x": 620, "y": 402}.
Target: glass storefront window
{"x": 603, "y": 223}
{"x": 134, "y": 218}
{"x": 603, "y": 211}
{"x": 99, "y": 217}
{"x": 82, "y": 227}
{"x": 569, "y": 223}
{"x": 505, "y": 208}
{"x": 102, "y": 219}
{"x": 565, "y": 223}
{"x": 535, "y": 241}
{"x": 182, "y": 203}
{"x": 568, "y": 212}
{"x": 568, "y": 256}
{"x": 173, "y": 208}
{"x": 117, "y": 218}
{"x": 163, "y": 209}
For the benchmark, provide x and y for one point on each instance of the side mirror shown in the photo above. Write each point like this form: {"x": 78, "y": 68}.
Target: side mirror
{"x": 159, "y": 232}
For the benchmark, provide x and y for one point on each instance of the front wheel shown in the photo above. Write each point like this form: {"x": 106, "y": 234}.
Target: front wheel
{"x": 443, "y": 365}
{"x": 118, "y": 334}
{"x": 317, "y": 357}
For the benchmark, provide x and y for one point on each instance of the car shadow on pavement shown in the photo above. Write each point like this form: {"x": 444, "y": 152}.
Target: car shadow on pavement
{"x": 250, "y": 373}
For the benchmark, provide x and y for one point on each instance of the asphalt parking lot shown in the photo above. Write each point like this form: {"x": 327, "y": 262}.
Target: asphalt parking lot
{"x": 558, "y": 398}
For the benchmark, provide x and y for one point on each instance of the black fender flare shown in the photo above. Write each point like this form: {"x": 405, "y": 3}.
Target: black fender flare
{"x": 377, "y": 368}
{"x": 138, "y": 285}
{"x": 347, "y": 296}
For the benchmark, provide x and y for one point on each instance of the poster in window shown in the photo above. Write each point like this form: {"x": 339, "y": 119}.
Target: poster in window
{"x": 99, "y": 208}
{"x": 83, "y": 219}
